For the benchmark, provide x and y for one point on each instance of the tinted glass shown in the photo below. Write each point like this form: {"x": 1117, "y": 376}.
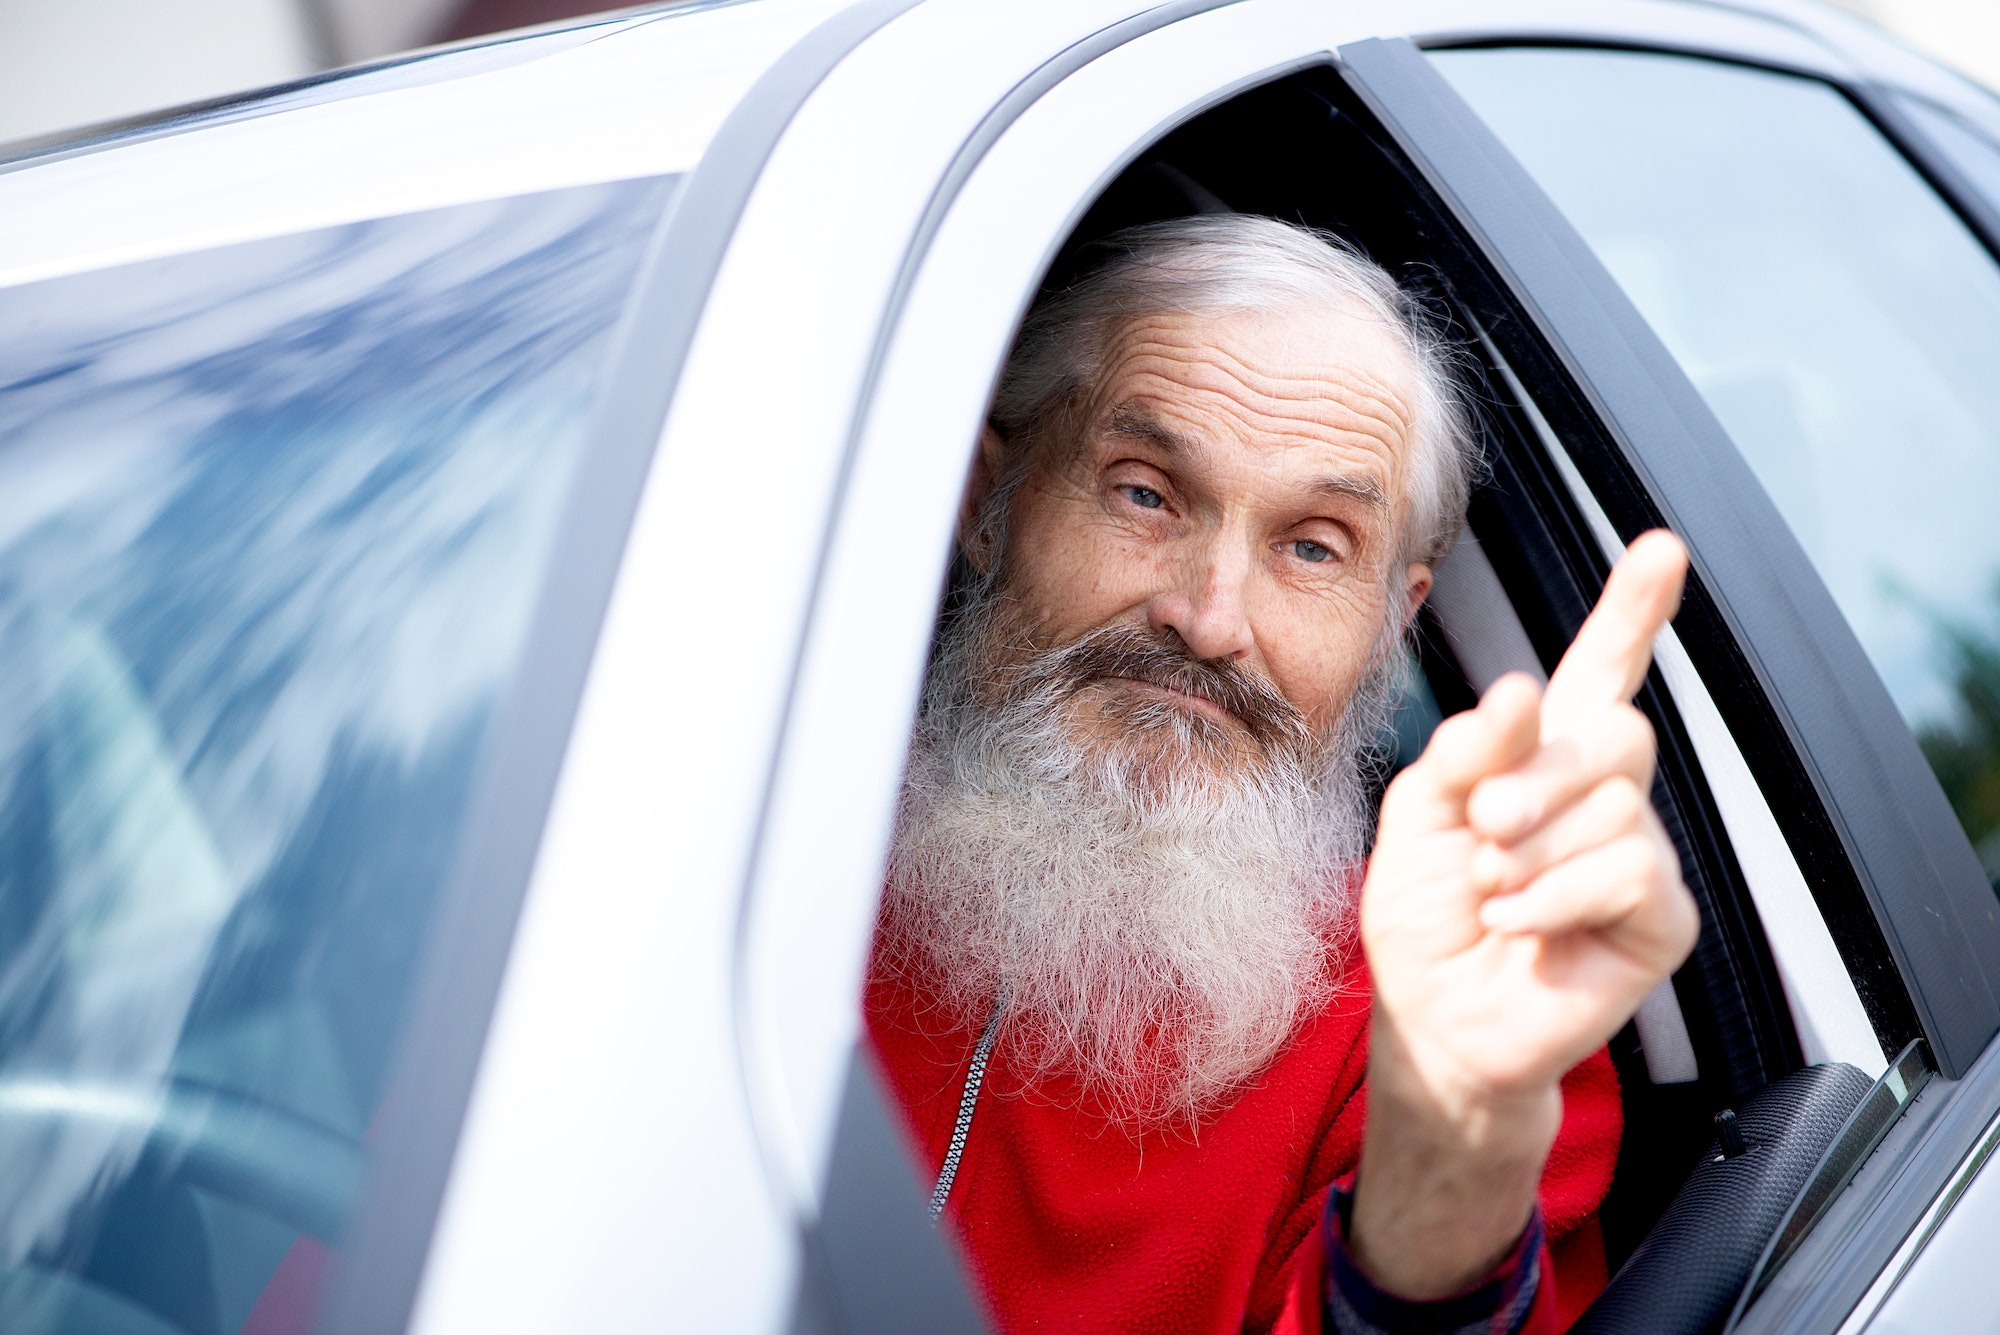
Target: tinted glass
{"x": 1839, "y": 319}
{"x": 272, "y": 520}
{"x": 1970, "y": 150}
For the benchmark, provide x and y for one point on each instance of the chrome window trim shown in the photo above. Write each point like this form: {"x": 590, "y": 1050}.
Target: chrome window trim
{"x": 1871, "y": 1120}
{"x": 1867, "y": 1229}
{"x": 1906, "y": 1255}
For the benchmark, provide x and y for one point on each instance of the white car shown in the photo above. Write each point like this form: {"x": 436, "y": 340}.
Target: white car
{"x": 472, "y": 526}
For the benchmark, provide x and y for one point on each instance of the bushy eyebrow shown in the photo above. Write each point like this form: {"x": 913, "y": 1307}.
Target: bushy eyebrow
{"x": 1353, "y": 488}
{"x": 1136, "y": 423}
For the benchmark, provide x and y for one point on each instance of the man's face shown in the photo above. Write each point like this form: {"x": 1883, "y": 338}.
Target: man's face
{"x": 1237, "y": 490}
{"x": 1136, "y": 784}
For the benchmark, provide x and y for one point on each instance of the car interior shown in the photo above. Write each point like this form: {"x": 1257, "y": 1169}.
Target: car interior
{"x": 1511, "y": 596}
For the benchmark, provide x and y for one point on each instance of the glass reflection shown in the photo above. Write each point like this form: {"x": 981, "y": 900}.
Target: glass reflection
{"x": 1971, "y": 151}
{"x": 1838, "y": 318}
{"x": 1964, "y": 745}
{"x": 272, "y": 520}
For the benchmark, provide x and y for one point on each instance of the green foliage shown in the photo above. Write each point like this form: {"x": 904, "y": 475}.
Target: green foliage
{"x": 1965, "y": 750}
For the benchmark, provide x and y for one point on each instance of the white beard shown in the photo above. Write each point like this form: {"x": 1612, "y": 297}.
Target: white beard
{"x": 1160, "y": 916}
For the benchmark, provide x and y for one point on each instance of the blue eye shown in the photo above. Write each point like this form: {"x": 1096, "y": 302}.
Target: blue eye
{"x": 1311, "y": 551}
{"x": 1145, "y": 497}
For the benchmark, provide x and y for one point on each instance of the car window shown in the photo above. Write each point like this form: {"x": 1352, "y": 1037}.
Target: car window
{"x": 272, "y": 522}
{"x": 1836, "y": 315}
{"x": 1967, "y": 148}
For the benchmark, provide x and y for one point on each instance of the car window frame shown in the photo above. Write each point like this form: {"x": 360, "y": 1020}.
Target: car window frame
{"x": 1875, "y": 98}
{"x": 1652, "y": 451}
{"x": 802, "y": 767}
{"x": 1506, "y": 221}
{"x": 397, "y": 1220}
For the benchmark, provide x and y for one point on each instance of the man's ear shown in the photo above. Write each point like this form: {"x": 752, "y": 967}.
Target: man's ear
{"x": 986, "y": 459}
{"x": 1417, "y": 581}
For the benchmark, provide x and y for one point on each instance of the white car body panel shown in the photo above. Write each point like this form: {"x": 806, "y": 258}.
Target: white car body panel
{"x": 642, "y": 100}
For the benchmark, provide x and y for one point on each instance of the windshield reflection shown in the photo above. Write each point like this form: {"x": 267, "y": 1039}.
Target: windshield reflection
{"x": 272, "y": 520}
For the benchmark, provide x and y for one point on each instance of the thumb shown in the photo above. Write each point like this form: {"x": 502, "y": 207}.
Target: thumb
{"x": 1466, "y": 748}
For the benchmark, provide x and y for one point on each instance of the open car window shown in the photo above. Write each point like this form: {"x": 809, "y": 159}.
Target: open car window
{"x": 1840, "y": 321}
{"x": 272, "y": 523}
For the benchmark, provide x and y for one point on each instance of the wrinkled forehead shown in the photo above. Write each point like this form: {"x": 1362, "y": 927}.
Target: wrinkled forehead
{"x": 1325, "y": 378}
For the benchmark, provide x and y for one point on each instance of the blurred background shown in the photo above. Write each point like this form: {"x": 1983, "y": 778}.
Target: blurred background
{"x": 69, "y": 63}
{"x": 1964, "y": 34}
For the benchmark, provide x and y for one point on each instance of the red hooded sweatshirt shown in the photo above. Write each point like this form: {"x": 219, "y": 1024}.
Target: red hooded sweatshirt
{"x": 1073, "y": 1227}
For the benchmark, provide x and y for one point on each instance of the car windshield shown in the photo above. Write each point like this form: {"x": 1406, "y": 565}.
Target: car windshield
{"x": 1837, "y": 316}
{"x": 272, "y": 523}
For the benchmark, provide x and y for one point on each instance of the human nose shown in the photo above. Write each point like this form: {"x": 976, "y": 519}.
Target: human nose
{"x": 1208, "y": 606}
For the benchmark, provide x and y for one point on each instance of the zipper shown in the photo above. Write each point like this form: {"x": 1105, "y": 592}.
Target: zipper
{"x": 975, "y": 1075}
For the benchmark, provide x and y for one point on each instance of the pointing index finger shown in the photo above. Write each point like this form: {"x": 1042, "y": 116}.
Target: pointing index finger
{"x": 1607, "y": 661}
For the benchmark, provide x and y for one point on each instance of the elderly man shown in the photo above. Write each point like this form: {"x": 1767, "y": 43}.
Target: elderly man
{"x": 1185, "y": 1054}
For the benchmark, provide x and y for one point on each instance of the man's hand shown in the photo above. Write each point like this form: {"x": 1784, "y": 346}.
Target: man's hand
{"x": 1521, "y": 900}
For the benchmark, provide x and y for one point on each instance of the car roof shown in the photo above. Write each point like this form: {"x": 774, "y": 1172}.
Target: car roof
{"x": 640, "y": 93}
{"x": 637, "y": 94}
{"x": 1874, "y": 51}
